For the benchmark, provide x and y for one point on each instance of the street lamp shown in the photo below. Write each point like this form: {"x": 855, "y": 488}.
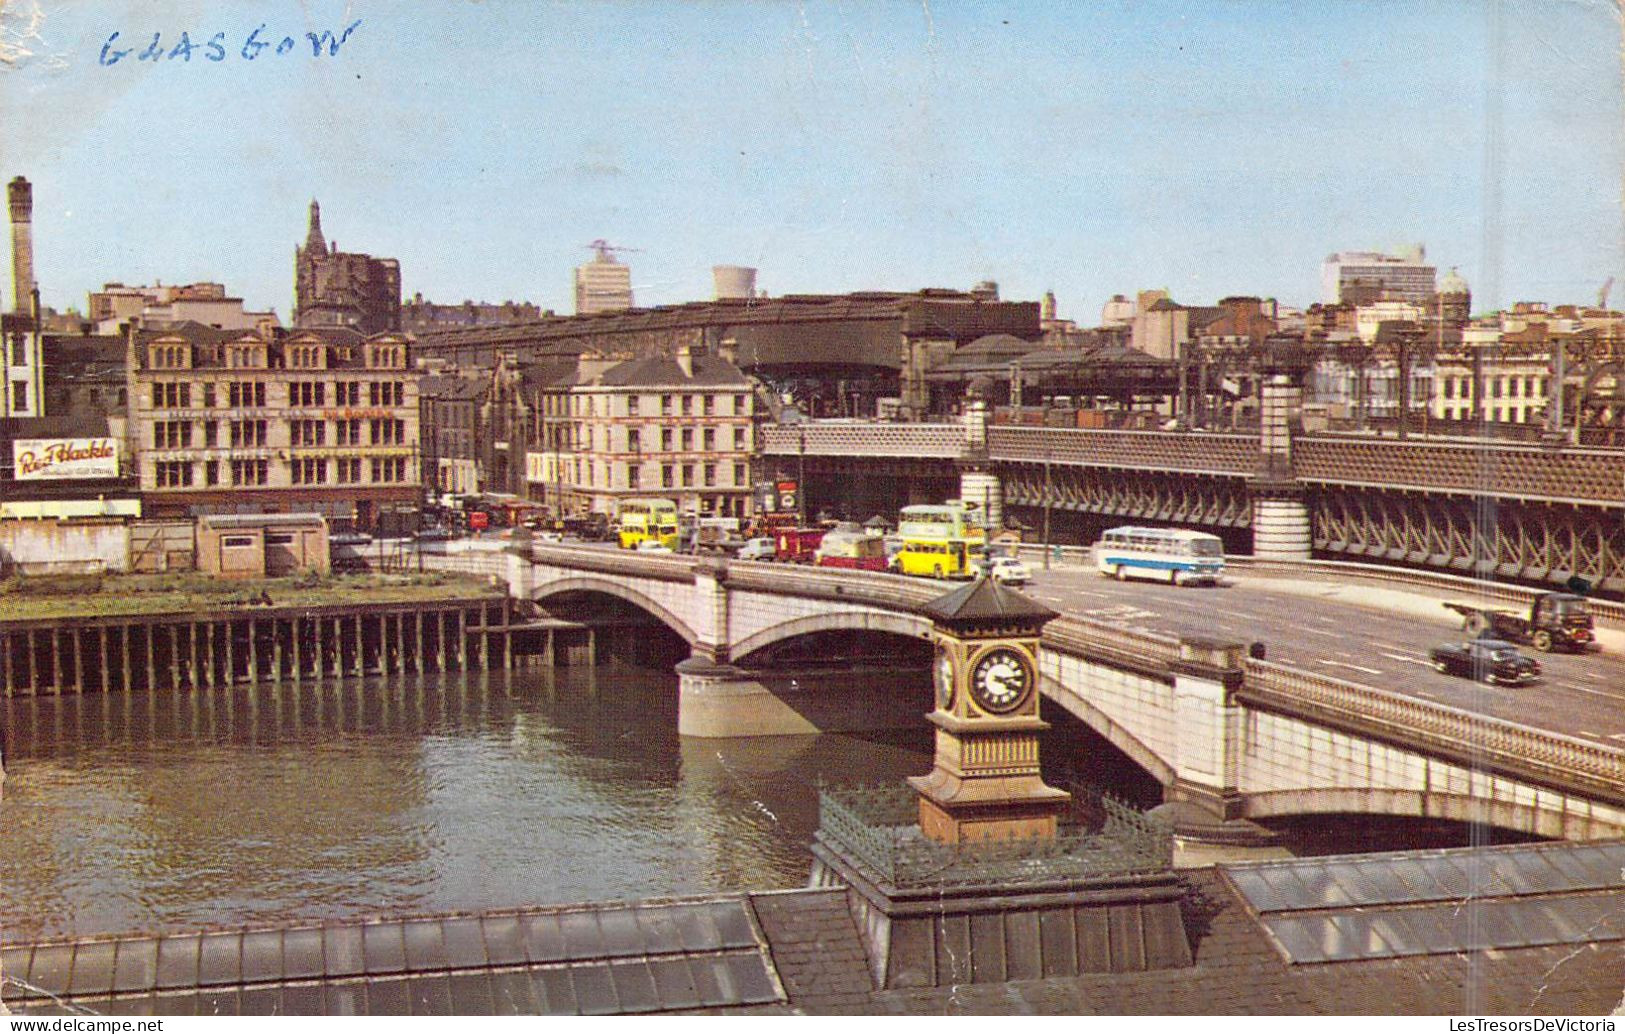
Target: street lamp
{"x": 1046, "y": 504}
{"x": 801, "y": 471}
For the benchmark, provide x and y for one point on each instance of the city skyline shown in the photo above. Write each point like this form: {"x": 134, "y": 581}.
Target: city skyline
{"x": 1222, "y": 150}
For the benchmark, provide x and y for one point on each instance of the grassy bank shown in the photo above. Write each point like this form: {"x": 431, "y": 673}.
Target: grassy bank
{"x": 69, "y": 596}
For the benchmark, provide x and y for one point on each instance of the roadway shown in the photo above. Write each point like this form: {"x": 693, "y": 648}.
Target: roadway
{"x": 1373, "y": 637}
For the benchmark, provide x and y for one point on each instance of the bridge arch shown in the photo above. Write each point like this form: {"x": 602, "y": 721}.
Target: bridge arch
{"x": 1112, "y": 732}
{"x": 911, "y": 625}
{"x": 1547, "y": 820}
{"x": 608, "y": 587}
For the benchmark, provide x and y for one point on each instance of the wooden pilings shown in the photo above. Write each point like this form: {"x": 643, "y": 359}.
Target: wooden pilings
{"x": 172, "y": 651}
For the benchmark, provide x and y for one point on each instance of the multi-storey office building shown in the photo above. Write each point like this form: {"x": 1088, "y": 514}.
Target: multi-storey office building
{"x": 322, "y": 421}
{"x": 676, "y": 428}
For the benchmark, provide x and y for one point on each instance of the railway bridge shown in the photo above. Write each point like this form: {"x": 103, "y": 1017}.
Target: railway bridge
{"x": 1532, "y": 512}
{"x": 1230, "y": 737}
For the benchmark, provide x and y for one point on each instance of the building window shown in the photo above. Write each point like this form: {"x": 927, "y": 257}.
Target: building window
{"x": 171, "y": 396}
{"x": 307, "y": 393}
{"x": 665, "y": 439}
{"x": 1513, "y": 387}
{"x": 387, "y": 432}
{"x": 386, "y": 393}
{"x": 348, "y": 470}
{"x": 668, "y": 476}
{"x": 208, "y": 394}
{"x": 739, "y": 405}
{"x": 347, "y": 432}
{"x": 247, "y": 434}
{"x": 710, "y": 405}
{"x": 19, "y": 396}
{"x": 633, "y": 440}
{"x": 347, "y": 393}
{"x": 308, "y": 471}
{"x": 19, "y": 351}
{"x": 631, "y": 405}
{"x": 172, "y": 434}
{"x": 250, "y": 472}
{"x": 634, "y": 474}
{"x": 688, "y": 475}
{"x": 245, "y": 394}
{"x": 665, "y": 405}
{"x": 688, "y": 439}
{"x": 389, "y": 468}
{"x": 175, "y": 474}
{"x": 739, "y": 474}
{"x": 739, "y": 440}
{"x": 688, "y": 405}
{"x": 1449, "y": 388}
{"x": 307, "y": 432}
{"x": 710, "y": 475}
{"x": 708, "y": 437}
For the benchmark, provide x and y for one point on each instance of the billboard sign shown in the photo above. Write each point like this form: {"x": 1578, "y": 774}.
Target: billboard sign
{"x": 42, "y": 459}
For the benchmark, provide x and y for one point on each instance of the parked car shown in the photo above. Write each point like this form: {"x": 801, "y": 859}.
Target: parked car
{"x": 433, "y": 534}
{"x": 652, "y": 546}
{"x": 349, "y": 538}
{"x": 757, "y": 549}
{"x": 1493, "y": 660}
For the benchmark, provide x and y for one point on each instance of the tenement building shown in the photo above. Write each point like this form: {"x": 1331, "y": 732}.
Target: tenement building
{"x": 321, "y": 421}
{"x": 674, "y": 428}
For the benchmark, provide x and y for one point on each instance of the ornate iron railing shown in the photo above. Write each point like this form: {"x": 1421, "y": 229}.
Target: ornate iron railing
{"x": 1225, "y": 455}
{"x": 860, "y": 438}
{"x": 876, "y": 828}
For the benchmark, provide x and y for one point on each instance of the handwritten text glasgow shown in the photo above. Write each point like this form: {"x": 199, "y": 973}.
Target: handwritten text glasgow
{"x": 219, "y": 46}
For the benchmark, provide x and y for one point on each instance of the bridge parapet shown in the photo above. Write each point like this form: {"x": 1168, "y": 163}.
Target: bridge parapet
{"x": 1224, "y": 455}
{"x": 858, "y": 438}
{"x": 1527, "y": 472}
{"x": 1479, "y": 741}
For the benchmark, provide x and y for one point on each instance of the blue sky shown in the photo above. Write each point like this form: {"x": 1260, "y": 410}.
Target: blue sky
{"x": 1211, "y": 148}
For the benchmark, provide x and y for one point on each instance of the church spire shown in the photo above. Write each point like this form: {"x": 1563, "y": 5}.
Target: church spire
{"x": 314, "y": 244}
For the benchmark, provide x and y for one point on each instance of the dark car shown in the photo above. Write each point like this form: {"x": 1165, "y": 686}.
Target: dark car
{"x": 433, "y": 534}
{"x": 1493, "y": 660}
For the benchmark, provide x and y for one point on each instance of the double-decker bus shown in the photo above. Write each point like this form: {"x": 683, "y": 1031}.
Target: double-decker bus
{"x": 647, "y": 520}
{"x": 940, "y": 541}
{"x": 1171, "y": 555}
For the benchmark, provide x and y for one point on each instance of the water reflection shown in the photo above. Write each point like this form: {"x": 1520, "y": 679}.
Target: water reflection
{"x": 422, "y": 793}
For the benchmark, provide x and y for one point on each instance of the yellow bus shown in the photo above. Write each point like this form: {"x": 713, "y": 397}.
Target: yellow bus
{"x": 940, "y": 541}
{"x": 647, "y": 520}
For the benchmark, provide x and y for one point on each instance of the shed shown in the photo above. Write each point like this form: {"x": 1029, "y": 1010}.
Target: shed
{"x": 262, "y": 545}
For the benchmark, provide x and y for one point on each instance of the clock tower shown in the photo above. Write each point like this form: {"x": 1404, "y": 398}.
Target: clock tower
{"x": 986, "y": 783}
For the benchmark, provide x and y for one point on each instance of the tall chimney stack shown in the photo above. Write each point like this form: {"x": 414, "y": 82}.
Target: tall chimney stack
{"x": 21, "y": 196}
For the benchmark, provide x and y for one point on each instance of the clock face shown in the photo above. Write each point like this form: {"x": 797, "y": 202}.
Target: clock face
{"x": 1001, "y": 681}
{"x": 945, "y": 680}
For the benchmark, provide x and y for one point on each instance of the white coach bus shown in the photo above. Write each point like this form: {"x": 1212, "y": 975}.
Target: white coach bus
{"x": 1171, "y": 555}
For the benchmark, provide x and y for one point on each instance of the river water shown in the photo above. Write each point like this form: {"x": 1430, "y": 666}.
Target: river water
{"x": 276, "y": 804}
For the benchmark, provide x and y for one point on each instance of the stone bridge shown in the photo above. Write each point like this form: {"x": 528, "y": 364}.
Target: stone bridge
{"x": 1235, "y": 737}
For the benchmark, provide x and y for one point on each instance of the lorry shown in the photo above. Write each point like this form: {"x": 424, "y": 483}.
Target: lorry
{"x": 1556, "y": 620}
{"x": 848, "y": 545}
{"x": 797, "y": 545}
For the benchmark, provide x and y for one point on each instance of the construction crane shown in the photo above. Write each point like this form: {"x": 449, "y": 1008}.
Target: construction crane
{"x": 605, "y": 249}
{"x": 1602, "y": 295}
